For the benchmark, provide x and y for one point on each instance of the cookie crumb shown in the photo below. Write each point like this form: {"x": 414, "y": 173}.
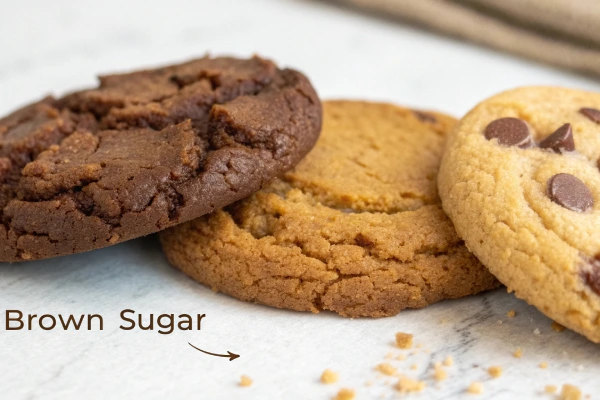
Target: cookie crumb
{"x": 511, "y": 313}
{"x": 389, "y": 356}
{"x": 328, "y": 377}
{"x": 495, "y": 371}
{"x": 386, "y": 369}
{"x": 570, "y": 392}
{"x": 475, "y": 388}
{"x": 345, "y": 394}
{"x": 404, "y": 340}
{"x": 550, "y": 389}
{"x": 245, "y": 381}
{"x": 401, "y": 357}
{"x": 536, "y": 331}
{"x": 543, "y": 365}
{"x": 414, "y": 366}
{"x": 557, "y": 327}
{"x": 408, "y": 385}
{"x": 439, "y": 374}
{"x": 518, "y": 353}
{"x": 449, "y": 361}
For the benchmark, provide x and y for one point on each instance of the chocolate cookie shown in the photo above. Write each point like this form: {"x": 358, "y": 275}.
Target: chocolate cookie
{"x": 520, "y": 180}
{"x": 356, "y": 228}
{"x": 147, "y": 150}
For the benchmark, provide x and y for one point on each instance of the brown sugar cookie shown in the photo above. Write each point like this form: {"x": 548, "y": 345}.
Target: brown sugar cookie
{"x": 527, "y": 200}
{"x": 356, "y": 228}
{"x": 147, "y": 150}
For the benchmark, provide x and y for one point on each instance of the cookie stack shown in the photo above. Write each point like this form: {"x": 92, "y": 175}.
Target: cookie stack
{"x": 216, "y": 154}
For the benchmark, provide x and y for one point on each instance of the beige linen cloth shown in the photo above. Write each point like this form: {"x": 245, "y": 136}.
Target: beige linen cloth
{"x": 564, "y": 33}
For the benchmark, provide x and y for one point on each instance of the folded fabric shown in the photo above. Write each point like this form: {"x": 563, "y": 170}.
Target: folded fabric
{"x": 557, "y": 32}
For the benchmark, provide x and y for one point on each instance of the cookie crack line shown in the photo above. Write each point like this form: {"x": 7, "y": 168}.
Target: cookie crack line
{"x": 423, "y": 250}
{"x": 344, "y": 275}
{"x": 318, "y": 302}
{"x": 191, "y": 137}
{"x": 316, "y": 195}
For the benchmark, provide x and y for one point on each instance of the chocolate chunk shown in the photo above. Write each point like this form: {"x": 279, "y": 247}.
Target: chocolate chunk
{"x": 570, "y": 192}
{"x": 591, "y": 274}
{"x": 560, "y": 141}
{"x": 509, "y": 132}
{"x": 425, "y": 117}
{"x": 592, "y": 113}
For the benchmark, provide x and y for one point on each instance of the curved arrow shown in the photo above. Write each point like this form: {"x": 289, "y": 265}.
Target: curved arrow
{"x": 232, "y": 356}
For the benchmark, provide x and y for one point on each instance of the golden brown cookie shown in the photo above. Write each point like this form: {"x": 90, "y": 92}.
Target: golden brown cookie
{"x": 356, "y": 228}
{"x": 520, "y": 180}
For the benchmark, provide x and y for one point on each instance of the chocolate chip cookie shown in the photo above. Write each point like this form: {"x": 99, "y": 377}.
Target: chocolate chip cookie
{"x": 520, "y": 181}
{"x": 356, "y": 228}
{"x": 147, "y": 150}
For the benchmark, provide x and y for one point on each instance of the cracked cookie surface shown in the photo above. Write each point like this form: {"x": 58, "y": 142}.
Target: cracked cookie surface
{"x": 147, "y": 150}
{"x": 356, "y": 227}
{"x": 527, "y": 200}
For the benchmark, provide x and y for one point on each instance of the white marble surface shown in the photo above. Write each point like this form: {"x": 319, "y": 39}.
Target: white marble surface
{"x": 61, "y": 45}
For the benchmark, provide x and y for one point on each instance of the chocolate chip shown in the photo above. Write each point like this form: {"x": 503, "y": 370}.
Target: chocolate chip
{"x": 425, "y": 117}
{"x": 591, "y": 274}
{"x": 560, "y": 141}
{"x": 569, "y": 192}
{"x": 509, "y": 132}
{"x": 592, "y": 113}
